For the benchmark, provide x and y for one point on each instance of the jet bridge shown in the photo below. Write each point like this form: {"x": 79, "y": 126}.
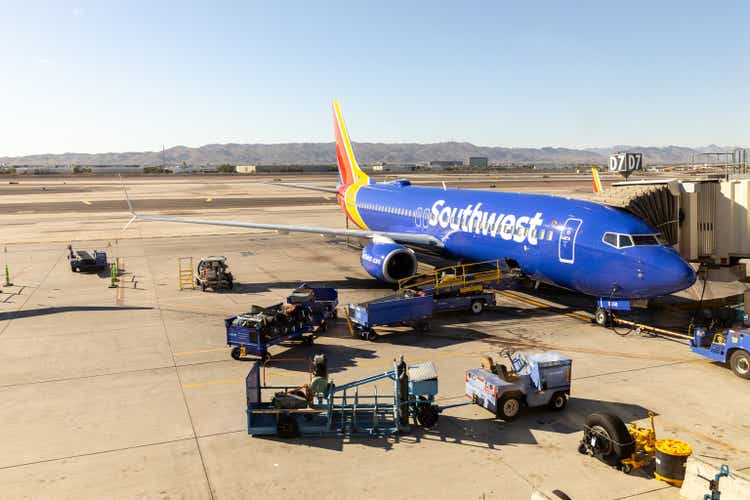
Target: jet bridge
{"x": 704, "y": 218}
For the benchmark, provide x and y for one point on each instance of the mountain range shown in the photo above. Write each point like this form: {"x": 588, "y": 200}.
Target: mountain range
{"x": 367, "y": 153}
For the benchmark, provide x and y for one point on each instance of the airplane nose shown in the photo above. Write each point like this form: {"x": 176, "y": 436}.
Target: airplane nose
{"x": 674, "y": 274}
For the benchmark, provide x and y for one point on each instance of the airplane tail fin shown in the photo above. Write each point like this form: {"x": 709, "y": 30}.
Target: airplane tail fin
{"x": 349, "y": 171}
{"x": 595, "y": 180}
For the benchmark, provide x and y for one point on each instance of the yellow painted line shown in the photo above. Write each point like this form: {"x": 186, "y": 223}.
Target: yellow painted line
{"x": 214, "y": 382}
{"x": 86, "y": 202}
{"x": 199, "y": 351}
{"x": 209, "y": 200}
{"x": 537, "y": 303}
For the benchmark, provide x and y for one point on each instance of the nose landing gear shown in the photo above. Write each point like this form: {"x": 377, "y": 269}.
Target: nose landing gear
{"x": 602, "y": 317}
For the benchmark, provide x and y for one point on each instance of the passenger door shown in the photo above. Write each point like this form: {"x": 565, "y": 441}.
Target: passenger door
{"x": 567, "y": 243}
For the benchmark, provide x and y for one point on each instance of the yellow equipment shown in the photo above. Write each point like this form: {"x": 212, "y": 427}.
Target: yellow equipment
{"x": 185, "y": 273}
{"x": 644, "y": 439}
{"x": 606, "y": 437}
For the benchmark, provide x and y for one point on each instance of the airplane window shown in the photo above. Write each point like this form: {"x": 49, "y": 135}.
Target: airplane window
{"x": 549, "y": 235}
{"x": 521, "y": 230}
{"x": 541, "y": 234}
{"x": 624, "y": 241}
{"x": 645, "y": 239}
{"x": 610, "y": 239}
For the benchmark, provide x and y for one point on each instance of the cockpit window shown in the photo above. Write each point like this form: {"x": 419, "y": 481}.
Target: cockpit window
{"x": 624, "y": 241}
{"x": 645, "y": 239}
{"x": 619, "y": 240}
{"x": 610, "y": 239}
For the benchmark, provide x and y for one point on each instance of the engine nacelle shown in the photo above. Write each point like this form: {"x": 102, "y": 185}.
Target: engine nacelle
{"x": 388, "y": 262}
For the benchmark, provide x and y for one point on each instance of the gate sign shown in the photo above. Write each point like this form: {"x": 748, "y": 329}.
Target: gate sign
{"x": 625, "y": 162}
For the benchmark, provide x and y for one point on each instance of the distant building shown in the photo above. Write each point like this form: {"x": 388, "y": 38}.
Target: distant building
{"x": 441, "y": 164}
{"x": 245, "y": 169}
{"x": 479, "y": 161}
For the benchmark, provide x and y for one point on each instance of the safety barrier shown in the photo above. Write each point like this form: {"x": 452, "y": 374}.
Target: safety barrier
{"x": 461, "y": 276}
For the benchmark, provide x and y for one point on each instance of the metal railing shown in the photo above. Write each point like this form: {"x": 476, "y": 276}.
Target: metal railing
{"x": 459, "y": 276}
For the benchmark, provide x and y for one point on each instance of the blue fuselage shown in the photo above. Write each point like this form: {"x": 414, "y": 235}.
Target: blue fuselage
{"x": 560, "y": 241}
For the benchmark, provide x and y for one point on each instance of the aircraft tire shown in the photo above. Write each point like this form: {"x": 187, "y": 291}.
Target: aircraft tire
{"x": 602, "y": 317}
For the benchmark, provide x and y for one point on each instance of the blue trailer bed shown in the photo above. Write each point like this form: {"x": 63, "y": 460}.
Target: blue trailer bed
{"x": 403, "y": 308}
{"x": 474, "y": 302}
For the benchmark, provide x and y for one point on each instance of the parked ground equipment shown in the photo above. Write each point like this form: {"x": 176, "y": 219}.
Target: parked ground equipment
{"x": 258, "y": 329}
{"x": 404, "y": 308}
{"x": 83, "y": 261}
{"x": 731, "y": 348}
{"x": 212, "y": 272}
{"x": 321, "y": 408}
{"x": 628, "y": 448}
{"x": 538, "y": 379}
{"x": 321, "y": 301}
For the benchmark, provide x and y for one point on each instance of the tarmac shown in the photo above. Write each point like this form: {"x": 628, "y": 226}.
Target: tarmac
{"x": 131, "y": 393}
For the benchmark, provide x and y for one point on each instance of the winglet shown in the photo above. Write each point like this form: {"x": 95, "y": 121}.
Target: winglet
{"x": 127, "y": 198}
{"x": 595, "y": 179}
{"x": 130, "y": 205}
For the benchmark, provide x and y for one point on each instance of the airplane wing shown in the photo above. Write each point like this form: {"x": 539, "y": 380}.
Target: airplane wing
{"x": 406, "y": 238}
{"x": 306, "y": 186}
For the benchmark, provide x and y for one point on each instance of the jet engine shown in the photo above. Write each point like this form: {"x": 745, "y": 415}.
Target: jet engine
{"x": 388, "y": 261}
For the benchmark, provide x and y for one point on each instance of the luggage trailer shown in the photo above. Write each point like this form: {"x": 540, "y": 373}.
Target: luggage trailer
{"x": 319, "y": 304}
{"x": 324, "y": 409}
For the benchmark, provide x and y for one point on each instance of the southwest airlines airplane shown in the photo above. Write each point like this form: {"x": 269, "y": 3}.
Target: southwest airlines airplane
{"x": 579, "y": 245}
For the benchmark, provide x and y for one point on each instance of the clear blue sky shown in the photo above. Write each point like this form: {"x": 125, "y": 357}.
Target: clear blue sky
{"x": 131, "y": 76}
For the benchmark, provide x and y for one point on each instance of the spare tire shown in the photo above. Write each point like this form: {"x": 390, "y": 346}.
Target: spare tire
{"x": 613, "y": 430}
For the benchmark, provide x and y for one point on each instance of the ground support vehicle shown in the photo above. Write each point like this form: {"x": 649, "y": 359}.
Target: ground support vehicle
{"x": 213, "y": 273}
{"x": 627, "y": 448}
{"x": 731, "y": 348}
{"x": 538, "y": 379}
{"x": 83, "y": 261}
{"x": 322, "y": 302}
{"x": 404, "y": 308}
{"x": 321, "y": 408}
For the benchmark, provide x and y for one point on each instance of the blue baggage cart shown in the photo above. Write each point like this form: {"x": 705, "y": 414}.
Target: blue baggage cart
{"x": 405, "y": 308}
{"x": 255, "y": 337}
